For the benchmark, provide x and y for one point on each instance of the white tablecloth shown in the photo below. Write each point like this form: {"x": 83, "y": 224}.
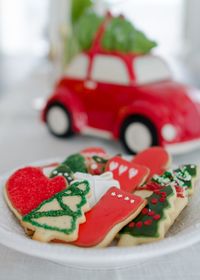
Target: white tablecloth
{"x": 24, "y": 139}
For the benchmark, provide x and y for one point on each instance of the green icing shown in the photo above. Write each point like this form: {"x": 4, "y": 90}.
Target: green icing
{"x": 99, "y": 159}
{"x": 63, "y": 170}
{"x": 73, "y": 190}
{"x": 182, "y": 176}
{"x": 159, "y": 208}
{"x": 76, "y": 163}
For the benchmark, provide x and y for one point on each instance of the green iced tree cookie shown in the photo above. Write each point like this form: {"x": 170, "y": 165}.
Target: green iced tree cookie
{"x": 59, "y": 217}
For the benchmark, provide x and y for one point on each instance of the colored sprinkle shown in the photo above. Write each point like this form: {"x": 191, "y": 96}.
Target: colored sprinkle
{"x": 139, "y": 224}
{"x": 148, "y": 222}
{"x": 151, "y": 213}
{"x": 156, "y": 217}
{"x": 162, "y": 199}
{"x": 131, "y": 224}
{"x": 154, "y": 201}
{"x": 145, "y": 211}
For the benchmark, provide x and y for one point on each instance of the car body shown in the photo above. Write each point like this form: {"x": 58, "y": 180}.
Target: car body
{"x": 128, "y": 97}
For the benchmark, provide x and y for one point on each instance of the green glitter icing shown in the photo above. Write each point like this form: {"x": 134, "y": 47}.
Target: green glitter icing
{"x": 77, "y": 163}
{"x": 159, "y": 208}
{"x": 73, "y": 190}
{"x": 63, "y": 170}
{"x": 182, "y": 176}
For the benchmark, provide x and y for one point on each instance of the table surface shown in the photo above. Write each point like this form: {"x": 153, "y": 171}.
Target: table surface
{"x": 25, "y": 139}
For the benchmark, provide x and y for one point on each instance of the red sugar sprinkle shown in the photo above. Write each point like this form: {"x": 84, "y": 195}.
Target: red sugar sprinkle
{"x": 151, "y": 213}
{"x": 163, "y": 194}
{"x": 156, "y": 217}
{"x": 145, "y": 211}
{"x": 131, "y": 224}
{"x": 139, "y": 224}
{"x": 148, "y": 222}
{"x": 154, "y": 201}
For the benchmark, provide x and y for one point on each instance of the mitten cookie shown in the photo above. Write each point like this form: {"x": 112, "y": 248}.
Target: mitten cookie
{"x": 59, "y": 217}
{"x": 115, "y": 209}
{"x": 156, "y": 159}
{"x": 28, "y": 187}
{"x": 129, "y": 175}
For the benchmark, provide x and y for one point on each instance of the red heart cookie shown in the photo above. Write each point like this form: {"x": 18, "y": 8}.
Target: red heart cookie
{"x": 28, "y": 187}
{"x": 156, "y": 159}
{"x": 129, "y": 175}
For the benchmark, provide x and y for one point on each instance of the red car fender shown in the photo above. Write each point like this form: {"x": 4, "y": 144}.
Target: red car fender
{"x": 72, "y": 104}
{"x": 145, "y": 109}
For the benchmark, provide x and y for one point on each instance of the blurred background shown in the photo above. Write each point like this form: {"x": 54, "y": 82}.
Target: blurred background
{"x": 32, "y": 57}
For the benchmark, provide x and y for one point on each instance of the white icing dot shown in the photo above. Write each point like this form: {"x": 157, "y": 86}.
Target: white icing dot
{"x": 60, "y": 174}
{"x": 55, "y": 172}
{"x": 113, "y": 193}
{"x": 132, "y": 201}
{"x": 126, "y": 198}
{"x": 66, "y": 174}
{"x": 192, "y": 166}
{"x": 69, "y": 178}
{"x": 94, "y": 166}
{"x": 119, "y": 195}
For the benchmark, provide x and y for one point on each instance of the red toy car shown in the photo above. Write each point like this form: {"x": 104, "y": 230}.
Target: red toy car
{"x": 127, "y": 97}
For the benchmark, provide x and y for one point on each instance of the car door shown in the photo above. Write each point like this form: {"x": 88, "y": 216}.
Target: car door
{"x": 106, "y": 90}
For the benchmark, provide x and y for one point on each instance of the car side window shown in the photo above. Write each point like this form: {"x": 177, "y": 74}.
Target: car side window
{"x": 78, "y": 67}
{"x": 109, "y": 69}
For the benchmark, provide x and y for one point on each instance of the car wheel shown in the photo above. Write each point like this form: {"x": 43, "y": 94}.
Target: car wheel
{"x": 137, "y": 134}
{"x": 58, "y": 120}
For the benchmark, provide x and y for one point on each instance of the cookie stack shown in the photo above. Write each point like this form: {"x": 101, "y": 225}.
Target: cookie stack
{"x": 92, "y": 198}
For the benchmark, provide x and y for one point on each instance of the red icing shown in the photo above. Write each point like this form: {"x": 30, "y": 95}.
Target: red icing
{"x": 28, "y": 187}
{"x": 108, "y": 212}
{"x": 145, "y": 211}
{"x": 162, "y": 199}
{"x": 128, "y": 174}
{"x": 155, "y": 158}
{"x": 154, "y": 201}
{"x": 156, "y": 217}
{"x": 148, "y": 222}
{"x": 139, "y": 224}
{"x": 151, "y": 213}
{"x": 131, "y": 224}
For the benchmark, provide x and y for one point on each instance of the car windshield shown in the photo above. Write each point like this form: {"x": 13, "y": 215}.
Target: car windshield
{"x": 149, "y": 69}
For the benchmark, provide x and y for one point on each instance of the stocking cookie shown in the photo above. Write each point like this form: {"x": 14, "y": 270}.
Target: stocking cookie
{"x": 156, "y": 159}
{"x": 154, "y": 220}
{"x": 129, "y": 175}
{"x": 28, "y": 187}
{"x": 59, "y": 217}
{"x": 115, "y": 209}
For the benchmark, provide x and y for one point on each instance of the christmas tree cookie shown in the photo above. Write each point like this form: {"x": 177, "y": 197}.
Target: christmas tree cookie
{"x": 58, "y": 218}
{"x": 115, "y": 209}
{"x": 184, "y": 176}
{"x": 154, "y": 220}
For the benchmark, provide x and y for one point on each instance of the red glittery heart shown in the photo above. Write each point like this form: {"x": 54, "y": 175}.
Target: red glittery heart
{"x": 28, "y": 187}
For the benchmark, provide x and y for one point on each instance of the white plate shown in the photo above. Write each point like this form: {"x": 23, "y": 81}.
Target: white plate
{"x": 185, "y": 232}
